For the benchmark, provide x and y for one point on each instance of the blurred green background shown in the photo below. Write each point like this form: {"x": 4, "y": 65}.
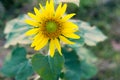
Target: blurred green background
{"x": 105, "y": 14}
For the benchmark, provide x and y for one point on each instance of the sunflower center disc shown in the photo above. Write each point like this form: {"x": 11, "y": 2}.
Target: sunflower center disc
{"x": 51, "y": 27}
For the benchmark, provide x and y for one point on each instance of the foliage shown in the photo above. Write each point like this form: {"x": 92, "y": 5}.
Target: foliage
{"x": 17, "y": 65}
{"x": 77, "y": 62}
{"x": 77, "y": 65}
{"x": 15, "y": 31}
{"x": 49, "y": 68}
{"x": 90, "y": 33}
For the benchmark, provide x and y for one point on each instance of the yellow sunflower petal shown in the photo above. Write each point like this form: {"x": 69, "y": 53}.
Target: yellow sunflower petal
{"x": 57, "y": 44}
{"x": 45, "y": 10}
{"x": 52, "y": 6}
{"x": 63, "y": 9}
{"x": 47, "y": 6}
{"x": 52, "y": 48}
{"x": 65, "y": 40}
{"x": 41, "y": 7}
{"x": 34, "y": 17}
{"x": 32, "y": 23}
{"x": 71, "y": 35}
{"x": 41, "y": 44}
{"x": 67, "y": 17}
{"x": 32, "y": 31}
{"x": 60, "y": 10}
{"x": 49, "y": 9}
{"x": 37, "y": 12}
{"x": 69, "y": 30}
{"x": 70, "y": 25}
{"x": 38, "y": 38}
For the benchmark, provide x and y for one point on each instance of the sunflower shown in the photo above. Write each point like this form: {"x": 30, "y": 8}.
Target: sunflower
{"x": 50, "y": 26}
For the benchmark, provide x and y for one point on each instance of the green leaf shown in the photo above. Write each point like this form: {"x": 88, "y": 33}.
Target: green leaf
{"x": 47, "y": 67}
{"x": 77, "y": 68}
{"x": 87, "y": 70}
{"x": 86, "y": 55}
{"x": 72, "y": 65}
{"x": 88, "y": 61}
{"x": 72, "y": 8}
{"x": 17, "y": 65}
{"x": 15, "y": 31}
{"x": 87, "y": 2}
{"x": 24, "y": 71}
{"x": 91, "y": 34}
